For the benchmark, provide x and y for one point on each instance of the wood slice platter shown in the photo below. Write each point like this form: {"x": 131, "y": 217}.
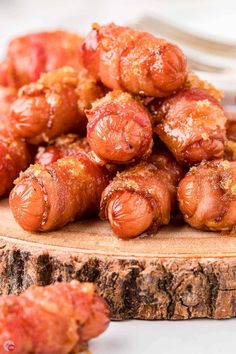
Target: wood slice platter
{"x": 179, "y": 273}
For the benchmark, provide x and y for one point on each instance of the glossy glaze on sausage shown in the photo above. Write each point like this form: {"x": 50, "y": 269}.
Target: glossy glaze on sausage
{"x": 49, "y": 197}
{"x": 133, "y": 61}
{"x": 142, "y": 197}
{"x": 192, "y": 124}
{"x": 207, "y": 196}
{"x": 119, "y": 128}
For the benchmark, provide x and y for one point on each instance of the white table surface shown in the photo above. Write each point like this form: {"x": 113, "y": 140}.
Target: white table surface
{"x": 215, "y": 18}
{"x": 167, "y": 337}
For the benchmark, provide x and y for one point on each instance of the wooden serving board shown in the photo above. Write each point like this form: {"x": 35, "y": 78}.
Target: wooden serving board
{"x": 179, "y": 273}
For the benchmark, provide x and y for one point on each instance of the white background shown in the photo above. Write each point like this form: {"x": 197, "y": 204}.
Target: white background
{"x": 209, "y": 18}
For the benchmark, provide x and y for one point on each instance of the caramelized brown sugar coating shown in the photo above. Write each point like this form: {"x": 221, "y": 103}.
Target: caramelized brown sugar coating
{"x": 207, "y": 196}
{"x": 63, "y": 146}
{"x": 88, "y": 90}
{"x": 133, "y": 61}
{"x": 142, "y": 197}
{"x": 230, "y": 150}
{"x": 47, "y": 108}
{"x": 119, "y": 128}
{"x": 231, "y": 126}
{"x": 194, "y": 82}
{"x": 15, "y": 156}
{"x": 192, "y": 125}
{"x": 30, "y": 55}
{"x": 48, "y": 197}
{"x": 56, "y": 319}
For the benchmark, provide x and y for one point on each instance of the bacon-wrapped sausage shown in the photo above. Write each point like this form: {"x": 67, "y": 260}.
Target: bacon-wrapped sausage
{"x": 119, "y": 128}
{"x": 133, "y": 61}
{"x": 56, "y": 319}
{"x": 65, "y": 145}
{"x": 48, "y": 197}
{"x": 153, "y": 104}
{"x": 30, "y": 55}
{"x": 47, "y": 108}
{"x": 142, "y": 197}
{"x": 192, "y": 125}
{"x": 207, "y": 196}
{"x": 15, "y": 156}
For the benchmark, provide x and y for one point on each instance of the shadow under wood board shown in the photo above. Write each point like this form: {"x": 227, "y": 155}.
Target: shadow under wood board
{"x": 179, "y": 273}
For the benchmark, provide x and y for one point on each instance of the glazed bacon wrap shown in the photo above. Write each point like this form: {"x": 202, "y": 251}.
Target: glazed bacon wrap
{"x": 29, "y": 56}
{"x": 48, "y": 197}
{"x": 207, "y": 196}
{"x": 119, "y": 128}
{"x": 58, "y": 318}
{"x": 47, "y": 108}
{"x": 231, "y": 125}
{"x": 15, "y": 156}
{"x": 192, "y": 125}
{"x": 63, "y": 146}
{"x": 137, "y": 62}
{"x": 142, "y": 197}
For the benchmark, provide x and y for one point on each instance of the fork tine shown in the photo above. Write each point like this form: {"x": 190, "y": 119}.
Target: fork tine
{"x": 169, "y": 31}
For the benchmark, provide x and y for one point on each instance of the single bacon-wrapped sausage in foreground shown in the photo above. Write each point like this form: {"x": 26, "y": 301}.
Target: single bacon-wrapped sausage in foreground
{"x": 65, "y": 145}
{"x": 15, "y": 156}
{"x": 133, "y": 61}
{"x": 48, "y": 197}
{"x": 142, "y": 197}
{"x": 56, "y": 319}
{"x": 207, "y": 196}
{"x": 192, "y": 125}
{"x": 119, "y": 128}
{"x": 30, "y": 55}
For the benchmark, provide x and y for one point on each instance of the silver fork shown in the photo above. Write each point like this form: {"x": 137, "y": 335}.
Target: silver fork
{"x": 211, "y": 59}
{"x": 203, "y": 53}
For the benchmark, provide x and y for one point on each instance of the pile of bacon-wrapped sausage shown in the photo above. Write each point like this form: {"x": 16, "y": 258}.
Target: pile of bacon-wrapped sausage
{"x": 114, "y": 125}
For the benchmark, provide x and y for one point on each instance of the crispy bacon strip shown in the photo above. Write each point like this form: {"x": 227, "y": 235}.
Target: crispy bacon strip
{"x": 15, "y": 156}
{"x": 192, "y": 125}
{"x": 58, "y": 318}
{"x": 48, "y": 197}
{"x": 133, "y": 61}
{"x": 142, "y": 197}
{"x": 207, "y": 196}
{"x": 29, "y": 56}
{"x": 231, "y": 126}
{"x": 63, "y": 146}
{"x": 88, "y": 90}
{"x": 230, "y": 150}
{"x": 119, "y": 128}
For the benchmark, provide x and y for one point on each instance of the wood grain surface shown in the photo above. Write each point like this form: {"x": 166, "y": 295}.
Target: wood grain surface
{"x": 179, "y": 273}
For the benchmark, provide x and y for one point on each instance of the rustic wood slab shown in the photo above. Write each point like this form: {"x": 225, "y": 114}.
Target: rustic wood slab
{"x": 179, "y": 273}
